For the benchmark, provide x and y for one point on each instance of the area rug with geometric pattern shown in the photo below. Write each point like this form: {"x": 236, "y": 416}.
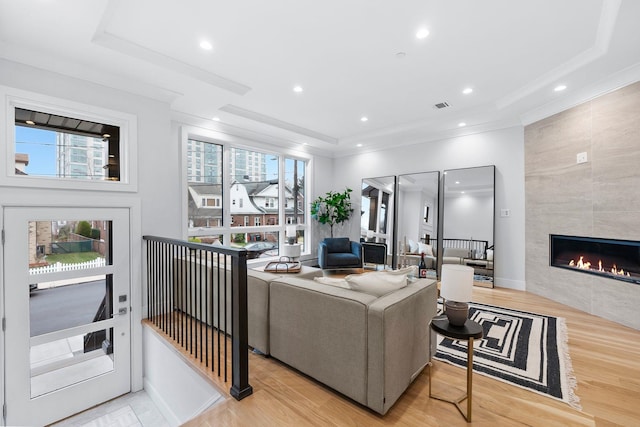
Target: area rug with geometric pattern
{"x": 525, "y": 349}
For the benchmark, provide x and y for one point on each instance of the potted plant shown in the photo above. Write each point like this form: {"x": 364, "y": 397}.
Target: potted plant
{"x": 334, "y": 208}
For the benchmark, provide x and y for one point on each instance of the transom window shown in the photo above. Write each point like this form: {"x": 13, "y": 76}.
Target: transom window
{"x": 54, "y": 146}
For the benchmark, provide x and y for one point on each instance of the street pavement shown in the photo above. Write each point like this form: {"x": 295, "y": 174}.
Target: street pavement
{"x": 64, "y": 307}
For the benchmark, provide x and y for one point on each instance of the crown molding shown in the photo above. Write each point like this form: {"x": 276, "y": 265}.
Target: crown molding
{"x": 616, "y": 81}
{"x": 433, "y": 137}
{"x": 606, "y": 27}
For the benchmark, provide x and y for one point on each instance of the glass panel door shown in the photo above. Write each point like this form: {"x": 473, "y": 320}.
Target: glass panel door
{"x": 67, "y": 311}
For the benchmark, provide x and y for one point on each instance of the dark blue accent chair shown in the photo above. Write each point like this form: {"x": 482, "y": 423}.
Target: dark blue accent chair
{"x": 339, "y": 252}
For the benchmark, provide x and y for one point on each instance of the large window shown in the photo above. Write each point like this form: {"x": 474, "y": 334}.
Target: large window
{"x": 259, "y": 194}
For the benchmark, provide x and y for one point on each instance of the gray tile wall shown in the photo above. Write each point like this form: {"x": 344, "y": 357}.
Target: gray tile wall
{"x": 600, "y": 198}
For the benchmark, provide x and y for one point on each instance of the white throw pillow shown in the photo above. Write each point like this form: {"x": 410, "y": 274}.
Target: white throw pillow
{"x": 489, "y": 254}
{"x": 426, "y": 249}
{"x": 413, "y": 247}
{"x": 333, "y": 281}
{"x": 409, "y": 271}
{"x": 376, "y": 284}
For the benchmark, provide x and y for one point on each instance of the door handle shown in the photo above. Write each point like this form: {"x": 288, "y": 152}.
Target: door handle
{"x": 121, "y": 312}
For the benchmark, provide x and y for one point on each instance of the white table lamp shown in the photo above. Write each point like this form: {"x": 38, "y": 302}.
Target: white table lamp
{"x": 456, "y": 287}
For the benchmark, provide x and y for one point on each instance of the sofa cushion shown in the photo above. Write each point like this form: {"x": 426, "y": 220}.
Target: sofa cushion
{"x": 338, "y": 244}
{"x": 342, "y": 259}
{"x": 456, "y": 252}
{"x": 425, "y": 249}
{"x": 412, "y": 247}
{"x": 377, "y": 284}
{"x": 333, "y": 281}
{"x": 412, "y": 270}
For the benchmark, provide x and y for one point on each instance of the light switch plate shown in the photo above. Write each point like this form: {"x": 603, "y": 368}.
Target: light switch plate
{"x": 581, "y": 157}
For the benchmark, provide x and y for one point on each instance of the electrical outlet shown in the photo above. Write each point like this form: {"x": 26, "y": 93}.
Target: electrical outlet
{"x": 581, "y": 157}
{"x": 505, "y": 213}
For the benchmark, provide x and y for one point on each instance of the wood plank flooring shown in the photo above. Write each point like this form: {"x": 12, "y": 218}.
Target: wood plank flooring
{"x": 606, "y": 362}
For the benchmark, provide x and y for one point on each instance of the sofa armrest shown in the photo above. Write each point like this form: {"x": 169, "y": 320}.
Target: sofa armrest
{"x": 322, "y": 254}
{"x": 356, "y": 249}
{"x": 399, "y": 341}
{"x": 321, "y": 330}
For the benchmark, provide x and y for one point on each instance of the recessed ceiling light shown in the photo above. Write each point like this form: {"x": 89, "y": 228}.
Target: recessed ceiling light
{"x": 462, "y": 192}
{"x": 422, "y": 33}
{"x": 206, "y": 45}
{"x": 216, "y": 119}
{"x": 560, "y": 88}
{"x": 457, "y": 182}
{"x": 358, "y": 145}
{"x": 462, "y": 124}
{"x": 401, "y": 55}
{"x": 364, "y": 119}
{"x": 305, "y": 143}
{"x": 297, "y": 89}
{"x": 30, "y": 122}
{"x": 467, "y": 90}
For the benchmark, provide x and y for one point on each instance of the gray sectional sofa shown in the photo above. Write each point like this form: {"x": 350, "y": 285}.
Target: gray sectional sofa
{"x": 366, "y": 347}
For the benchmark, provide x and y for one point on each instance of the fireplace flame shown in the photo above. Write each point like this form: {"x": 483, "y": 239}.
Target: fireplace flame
{"x": 586, "y": 265}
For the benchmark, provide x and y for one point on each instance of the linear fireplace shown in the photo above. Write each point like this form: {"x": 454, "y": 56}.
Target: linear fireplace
{"x": 616, "y": 259}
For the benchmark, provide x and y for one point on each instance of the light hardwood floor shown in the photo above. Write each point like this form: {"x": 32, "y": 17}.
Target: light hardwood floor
{"x": 606, "y": 362}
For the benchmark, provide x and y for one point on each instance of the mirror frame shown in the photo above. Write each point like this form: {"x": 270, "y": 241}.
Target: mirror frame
{"x": 391, "y": 218}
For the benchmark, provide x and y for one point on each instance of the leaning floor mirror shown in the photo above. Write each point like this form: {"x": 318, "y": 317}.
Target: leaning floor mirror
{"x": 417, "y": 220}
{"x": 468, "y": 221}
{"x": 377, "y": 221}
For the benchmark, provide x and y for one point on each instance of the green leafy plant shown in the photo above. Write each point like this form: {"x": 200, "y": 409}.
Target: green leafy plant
{"x": 83, "y": 228}
{"x": 334, "y": 208}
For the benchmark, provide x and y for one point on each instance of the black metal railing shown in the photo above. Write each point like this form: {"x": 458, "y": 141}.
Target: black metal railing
{"x": 197, "y": 295}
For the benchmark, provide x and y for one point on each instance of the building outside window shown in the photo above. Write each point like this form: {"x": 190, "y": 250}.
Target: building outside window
{"x": 251, "y": 184}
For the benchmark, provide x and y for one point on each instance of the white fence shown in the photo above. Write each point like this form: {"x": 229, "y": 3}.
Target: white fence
{"x": 57, "y": 267}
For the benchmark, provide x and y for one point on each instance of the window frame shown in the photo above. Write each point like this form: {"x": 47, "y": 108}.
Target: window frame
{"x": 228, "y": 142}
{"x": 16, "y": 98}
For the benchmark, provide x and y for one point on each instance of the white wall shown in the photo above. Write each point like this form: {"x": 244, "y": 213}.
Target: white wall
{"x": 157, "y": 154}
{"x": 503, "y": 148}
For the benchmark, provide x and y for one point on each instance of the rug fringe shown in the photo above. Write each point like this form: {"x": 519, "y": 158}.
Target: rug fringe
{"x": 572, "y": 380}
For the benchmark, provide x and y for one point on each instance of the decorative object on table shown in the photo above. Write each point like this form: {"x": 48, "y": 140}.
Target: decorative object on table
{"x": 284, "y": 265}
{"x": 422, "y": 267}
{"x": 456, "y": 287}
{"x": 524, "y": 349}
{"x": 292, "y": 252}
{"x": 334, "y": 208}
{"x": 290, "y": 233}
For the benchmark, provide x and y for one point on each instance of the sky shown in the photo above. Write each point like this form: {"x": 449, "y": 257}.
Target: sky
{"x": 40, "y": 145}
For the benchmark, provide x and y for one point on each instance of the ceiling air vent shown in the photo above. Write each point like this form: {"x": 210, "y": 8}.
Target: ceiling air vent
{"x": 441, "y": 105}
